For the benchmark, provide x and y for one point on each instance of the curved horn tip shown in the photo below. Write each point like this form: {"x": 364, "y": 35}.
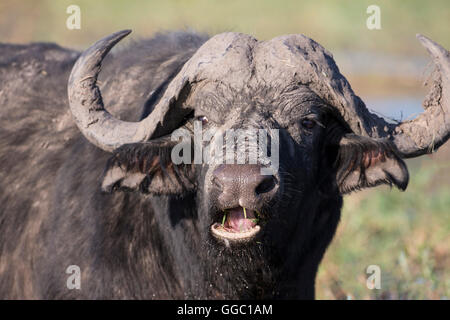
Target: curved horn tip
{"x": 121, "y": 33}
{"x": 435, "y": 50}
{"x": 105, "y": 44}
{"x": 88, "y": 67}
{"x": 93, "y": 56}
{"x": 111, "y": 40}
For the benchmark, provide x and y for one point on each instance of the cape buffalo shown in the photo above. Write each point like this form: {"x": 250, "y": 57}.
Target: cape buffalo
{"x": 80, "y": 187}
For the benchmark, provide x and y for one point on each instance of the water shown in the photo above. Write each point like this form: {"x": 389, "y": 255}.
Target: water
{"x": 397, "y": 108}
{"x": 400, "y": 67}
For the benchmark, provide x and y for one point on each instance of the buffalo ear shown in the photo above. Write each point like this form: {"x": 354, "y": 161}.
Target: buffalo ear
{"x": 147, "y": 167}
{"x": 364, "y": 162}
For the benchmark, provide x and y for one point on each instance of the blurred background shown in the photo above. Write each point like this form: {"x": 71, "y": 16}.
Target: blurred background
{"x": 407, "y": 234}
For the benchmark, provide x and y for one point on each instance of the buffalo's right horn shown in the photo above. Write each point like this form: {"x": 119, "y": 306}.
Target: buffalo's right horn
{"x": 91, "y": 117}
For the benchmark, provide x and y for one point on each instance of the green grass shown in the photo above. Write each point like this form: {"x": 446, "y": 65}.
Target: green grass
{"x": 334, "y": 24}
{"x": 407, "y": 234}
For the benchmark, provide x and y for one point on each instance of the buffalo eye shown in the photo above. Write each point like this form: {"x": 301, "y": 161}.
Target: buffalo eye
{"x": 204, "y": 120}
{"x": 308, "y": 123}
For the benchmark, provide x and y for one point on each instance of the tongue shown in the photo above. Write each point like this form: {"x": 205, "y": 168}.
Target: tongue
{"x": 236, "y": 221}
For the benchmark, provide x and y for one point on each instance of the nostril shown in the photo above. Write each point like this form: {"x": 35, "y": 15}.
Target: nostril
{"x": 266, "y": 185}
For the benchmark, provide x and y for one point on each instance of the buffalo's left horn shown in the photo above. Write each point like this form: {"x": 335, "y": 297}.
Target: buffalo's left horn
{"x": 431, "y": 128}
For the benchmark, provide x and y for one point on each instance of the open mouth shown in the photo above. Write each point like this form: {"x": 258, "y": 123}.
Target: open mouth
{"x": 238, "y": 224}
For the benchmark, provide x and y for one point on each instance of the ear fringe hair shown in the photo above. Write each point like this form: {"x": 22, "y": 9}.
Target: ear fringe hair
{"x": 152, "y": 159}
{"x": 357, "y": 153}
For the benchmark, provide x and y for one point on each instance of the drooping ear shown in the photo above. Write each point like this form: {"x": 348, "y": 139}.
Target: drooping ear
{"x": 148, "y": 167}
{"x": 364, "y": 162}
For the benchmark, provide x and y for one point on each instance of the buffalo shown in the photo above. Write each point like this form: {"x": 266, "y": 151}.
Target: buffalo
{"x": 81, "y": 187}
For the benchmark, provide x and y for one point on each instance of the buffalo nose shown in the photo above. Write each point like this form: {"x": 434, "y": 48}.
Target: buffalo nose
{"x": 244, "y": 185}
